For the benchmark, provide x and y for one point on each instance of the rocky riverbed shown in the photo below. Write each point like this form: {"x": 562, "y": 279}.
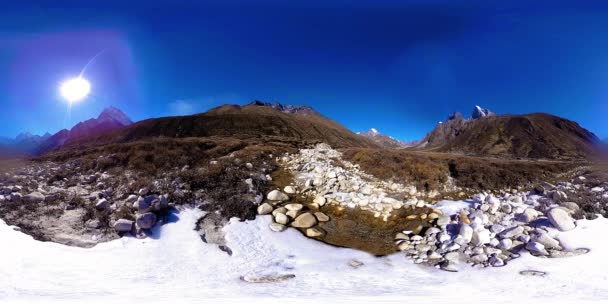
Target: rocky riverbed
{"x": 489, "y": 229}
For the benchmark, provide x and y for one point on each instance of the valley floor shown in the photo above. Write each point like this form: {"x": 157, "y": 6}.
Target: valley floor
{"x": 174, "y": 265}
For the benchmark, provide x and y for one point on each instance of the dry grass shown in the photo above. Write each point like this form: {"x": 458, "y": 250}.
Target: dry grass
{"x": 428, "y": 170}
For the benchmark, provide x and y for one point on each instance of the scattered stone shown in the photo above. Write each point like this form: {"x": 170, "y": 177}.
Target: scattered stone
{"x": 276, "y": 227}
{"x": 276, "y": 195}
{"x": 505, "y": 244}
{"x": 281, "y": 218}
{"x": 102, "y": 204}
{"x": 511, "y": 232}
{"x": 264, "y": 208}
{"x": 536, "y": 248}
{"x": 319, "y": 200}
{"x": 146, "y": 220}
{"x": 443, "y": 221}
{"x": 480, "y": 237}
{"x": 294, "y": 207}
{"x": 496, "y": 261}
{"x": 355, "y": 264}
{"x": 93, "y": 224}
{"x": 547, "y": 241}
{"x": 321, "y": 217}
{"x": 289, "y": 189}
{"x": 529, "y": 215}
{"x": 560, "y": 219}
{"x": 314, "y": 232}
{"x": 305, "y": 220}
{"x": 466, "y": 232}
{"x": 123, "y": 225}
{"x": 34, "y": 197}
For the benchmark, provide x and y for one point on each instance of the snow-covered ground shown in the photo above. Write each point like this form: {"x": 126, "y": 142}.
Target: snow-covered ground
{"x": 177, "y": 267}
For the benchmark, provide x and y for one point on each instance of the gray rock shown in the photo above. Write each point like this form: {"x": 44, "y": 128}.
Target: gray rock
{"x": 305, "y": 220}
{"x": 452, "y": 256}
{"x": 276, "y": 195}
{"x": 547, "y": 241}
{"x": 145, "y": 204}
{"x": 131, "y": 199}
{"x": 560, "y": 219}
{"x": 264, "y": 208}
{"x": 466, "y": 232}
{"x": 294, "y": 207}
{"x": 319, "y": 200}
{"x": 102, "y": 204}
{"x": 511, "y": 232}
{"x": 123, "y": 225}
{"x": 479, "y": 258}
{"x": 480, "y": 237}
{"x": 281, "y": 218}
{"x": 276, "y": 227}
{"x": 448, "y": 266}
{"x": 34, "y": 197}
{"x": 289, "y": 189}
{"x": 496, "y": 261}
{"x": 496, "y": 228}
{"x": 529, "y": 215}
{"x": 279, "y": 210}
{"x": 93, "y": 224}
{"x": 443, "y": 221}
{"x": 314, "y": 232}
{"x": 321, "y": 217}
{"x": 146, "y": 220}
{"x": 536, "y": 248}
{"x": 15, "y": 197}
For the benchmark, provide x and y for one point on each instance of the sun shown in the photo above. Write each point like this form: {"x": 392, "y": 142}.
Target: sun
{"x": 75, "y": 89}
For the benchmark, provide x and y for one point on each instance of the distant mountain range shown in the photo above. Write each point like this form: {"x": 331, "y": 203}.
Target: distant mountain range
{"x": 26, "y": 143}
{"x": 300, "y": 125}
{"x": 537, "y": 135}
{"x": 386, "y": 141}
{"x": 534, "y": 136}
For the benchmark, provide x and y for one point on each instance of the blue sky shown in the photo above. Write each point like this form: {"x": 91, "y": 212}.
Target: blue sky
{"x": 398, "y": 66}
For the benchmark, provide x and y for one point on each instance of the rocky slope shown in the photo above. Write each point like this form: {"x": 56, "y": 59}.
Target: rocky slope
{"x": 535, "y": 136}
{"x": 266, "y": 122}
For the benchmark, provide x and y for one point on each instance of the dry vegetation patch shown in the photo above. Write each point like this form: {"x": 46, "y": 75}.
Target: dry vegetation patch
{"x": 429, "y": 170}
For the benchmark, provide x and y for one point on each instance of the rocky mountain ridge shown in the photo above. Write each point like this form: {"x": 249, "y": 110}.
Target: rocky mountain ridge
{"x": 385, "y": 141}
{"x": 534, "y": 136}
{"x": 110, "y": 118}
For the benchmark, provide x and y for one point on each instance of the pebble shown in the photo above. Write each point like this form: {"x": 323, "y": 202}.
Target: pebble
{"x": 264, "y": 208}
{"x": 289, "y": 189}
{"x": 294, "y": 207}
{"x": 281, "y": 218}
{"x": 314, "y": 232}
{"x": 536, "y": 248}
{"x": 321, "y": 217}
{"x": 466, "y": 232}
{"x": 276, "y": 195}
{"x": 305, "y": 220}
{"x": 276, "y": 227}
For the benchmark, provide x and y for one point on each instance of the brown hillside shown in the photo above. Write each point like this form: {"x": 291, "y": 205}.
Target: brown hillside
{"x": 251, "y": 121}
{"x": 537, "y": 136}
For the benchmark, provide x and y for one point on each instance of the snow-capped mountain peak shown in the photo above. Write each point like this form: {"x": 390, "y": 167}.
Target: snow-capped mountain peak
{"x": 115, "y": 114}
{"x": 374, "y": 131}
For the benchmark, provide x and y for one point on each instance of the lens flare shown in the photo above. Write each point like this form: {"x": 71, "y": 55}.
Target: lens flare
{"x": 75, "y": 89}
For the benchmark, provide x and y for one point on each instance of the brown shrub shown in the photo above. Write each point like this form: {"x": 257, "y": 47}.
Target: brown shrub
{"x": 429, "y": 170}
